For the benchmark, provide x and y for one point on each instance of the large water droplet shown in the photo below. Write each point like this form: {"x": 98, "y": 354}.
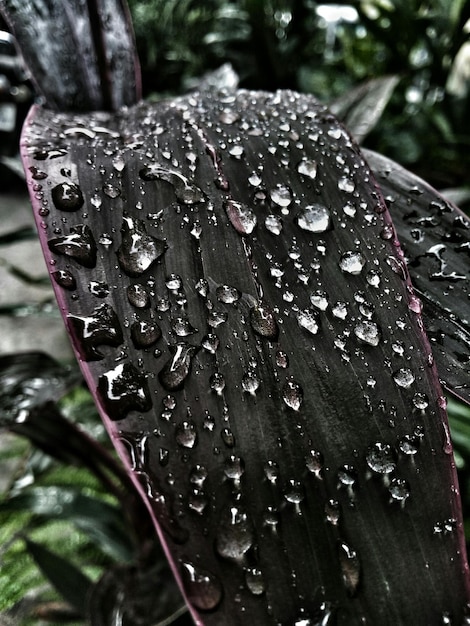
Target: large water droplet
{"x": 368, "y": 332}
{"x": 309, "y": 320}
{"x": 65, "y": 279}
{"x": 315, "y": 218}
{"x": 79, "y": 245}
{"x": 138, "y": 296}
{"x": 352, "y": 262}
{"x": 292, "y": 394}
{"x": 273, "y": 223}
{"x": 242, "y": 218}
{"x": 145, "y": 333}
{"x": 186, "y": 434}
{"x": 100, "y": 327}
{"x": 176, "y": 370}
{"x": 307, "y": 167}
{"x": 404, "y": 377}
{"x": 138, "y": 250}
{"x": 381, "y": 458}
{"x": 281, "y": 195}
{"x": 122, "y": 390}
{"x": 67, "y": 197}
{"x": 227, "y": 294}
{"x": 234, "y": 533}
{"x": 399, "y": 489}
{"x": 203, "y": 589}
{"x": 319, "y": 299}
{"x": 254, "y": 581}
{"x": 250, "y": 382}
{"x": 263, "y": 322}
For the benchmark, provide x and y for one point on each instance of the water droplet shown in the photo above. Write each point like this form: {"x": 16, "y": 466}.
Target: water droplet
{"x": 216, "y": 318}
{"x": 100, "y": 327}
{"x": 254, "y": 581}
{"x": 381, "y": 458}
{"x": 314, "y": 462}
{"x": 309, "y": 320}
{"x": 273, "y": 223}
{"x": 176, "y": 370}
{"x": 111, "y": 191}
{"x": 217, "y": 382}
{"x": 271, "y": 471}
{"x": 138, "y": 250}
{"x": 420, "y": 401}
{"x": 227, "y": 294}
{"x": 263, "y": 322}
{"x": 79, "y": 245}
{"x": 292, "y": 394}
{"x": 352, "y": 262}
{"x": 332, "y": 512}
{"x": 399, "y": 489}
{"x": 346, "y": 184}
{"x": 67, "y": 197}
{"x": 250, "y": 382}
{"x": 349, "y": 209}
{"x": 347, "y": 475}
{"x": 138, "y": 296}
{"x": 404, "y": 377}
{"x": 65, "y": 279}
{"x": 234, "y": 533}
{"x": 144, "y": 333}
{"x": 315, "y": 218}
{"x": 98, "y": 289}
{"x": 234, "y": 467}
{"x": 350, "y": 567}
{"x": 182, "y": 327}
{"x": 281, "y": 195}
{"x": 340, "y": 310}
{"x": 173, "y": 282}
{"x": 319, "y": 299}
{"x": 210, "y": 343}
{"x": 294, "y": 492}
{"x": 282, "y": 359}
{"x": 185, "y": 191}
{"x": 368, "y": 332}
{"x": 203, "y": 589}
{"x": 122, "y": 390}
{"x": 409, "y": 444}
{"x": 242, "y": 218}
{"x": 186, "y": 434}
{"x": 307, "y": 167}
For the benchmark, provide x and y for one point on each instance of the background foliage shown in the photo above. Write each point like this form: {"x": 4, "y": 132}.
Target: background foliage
{"x": 79, "y": 507}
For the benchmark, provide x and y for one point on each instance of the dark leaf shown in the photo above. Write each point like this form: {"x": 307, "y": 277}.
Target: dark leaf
{"x": 85, "y": 60}
{"x": 143, "y": 597}
{"x": 29, "y": 380}
{"x": 435, "y": 237}
{"x": 360, "y": 109}
{"x": 100, "y": 521}
{"x": 273, "y": 394}
{"x": 69, "y": 581}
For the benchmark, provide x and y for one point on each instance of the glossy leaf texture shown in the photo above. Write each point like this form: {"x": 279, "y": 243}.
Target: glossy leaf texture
{"x": 81, "y": 55}
{"x": 225, "y": 268}
{"x": 435, "y": 237}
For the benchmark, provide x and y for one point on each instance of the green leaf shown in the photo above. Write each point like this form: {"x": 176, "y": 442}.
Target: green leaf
{"x": 69, "y": 581}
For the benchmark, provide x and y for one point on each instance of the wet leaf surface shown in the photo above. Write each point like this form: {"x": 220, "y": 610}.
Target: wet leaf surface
{"x": 86, "y": 59}
{"x": 280, "y": 411}
{"x": 435, "y": 237}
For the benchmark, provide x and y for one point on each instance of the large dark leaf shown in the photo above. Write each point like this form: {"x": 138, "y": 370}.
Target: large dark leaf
{"x": 224, "y": 266}
{"x": 80, "y": 54}
{"x": 435, "y": 237}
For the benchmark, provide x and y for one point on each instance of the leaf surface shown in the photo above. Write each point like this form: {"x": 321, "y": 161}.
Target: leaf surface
{"x": 86, "y": 58}
{"x": 435, "y": 237}
{"x": 248, "y": 328}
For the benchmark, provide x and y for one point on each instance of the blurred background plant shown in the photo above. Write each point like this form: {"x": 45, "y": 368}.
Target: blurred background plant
{"x": 68, "y": 516}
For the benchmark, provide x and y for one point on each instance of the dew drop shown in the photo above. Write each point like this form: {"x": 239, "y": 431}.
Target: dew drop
{"x": 292, "y": 394}
{"x": 182, "y": 327}
{"x": 254, "y": 581}
{"x": 65, "y": 279}
{"x": 281, "y": 195}
{"x": 381, "y": 458}
{"x": 227, "y": 294}
{"x": 399, "y": 489}
{"x": 79, "y": 245}
{"x": 234, "y": 533}
{"x": 138, "y": 250}
{"x": 67, "y": 197}
{"x": 203, "y": 589}
{"x": 350, "y": 567}
{"x": 346, "y": 184}
{"x": 307, "y": 167}
{"x": 420, "y": 401}
{"x": 176, "y": 370}
{"x": 186, "y": 434}
{"x": 210, "y": 343}
{"x": 263, "y": 322}
{"x": 309, "y": 320}
{"x": 404, "y": 377}
{"x": 100, "y": 327}
{"x": 144, "y": 334}
{"x": 352, "y": 262}
{"x": 242, "y": 218}
{"x": 234, "y": 468}
{"x": 273, "y": 223}
{"x": 347, "y": 475}
{"x": 122, "y": 390}
{"x": 319, "y": 299}
{"x": 368, "y": 332}
{"x": 314, "y": 462}
{"x": 271, "y": 471}
{"x": 315, "y": 218}
{"x": 138, "y": 296}
{"x": 250, "y": 382}
{"x": 332, "y": 512}
{"x": 217, "y": 382}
